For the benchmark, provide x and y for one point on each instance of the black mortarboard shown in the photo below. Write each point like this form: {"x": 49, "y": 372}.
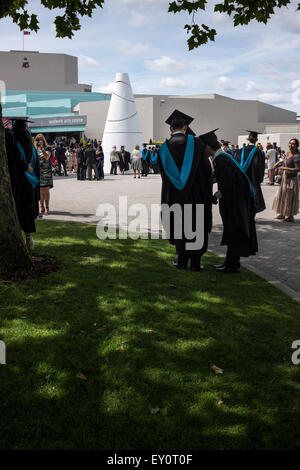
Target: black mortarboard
{"x": 225, "y": 142}
{"x": 209, "y": 136}
{"x": 178, "y": 115}
{"x": 253, "y": 134}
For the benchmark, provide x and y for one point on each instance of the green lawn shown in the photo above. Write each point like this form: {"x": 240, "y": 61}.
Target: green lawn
{"x": 145, "y": 336}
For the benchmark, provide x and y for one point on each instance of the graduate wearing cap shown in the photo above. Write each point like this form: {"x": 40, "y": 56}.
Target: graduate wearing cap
{"x": 236, "y": 204}
{"x": 186, "y": 180}
{"x": 252, "y": 161}
{"x": 24, "y": 172}
{"x": 225, "y": 147}
{"x": 145, "y": 160}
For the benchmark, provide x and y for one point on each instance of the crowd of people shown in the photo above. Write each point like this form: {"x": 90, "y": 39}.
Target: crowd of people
{"x": 141, "y": 161}
{"x": 33, "y": 163}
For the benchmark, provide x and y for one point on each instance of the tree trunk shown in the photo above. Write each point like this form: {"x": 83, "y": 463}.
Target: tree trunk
{"x": 13, "y": 252}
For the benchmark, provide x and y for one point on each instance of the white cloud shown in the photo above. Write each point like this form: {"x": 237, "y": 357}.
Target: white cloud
{"x": 271, "y": 97}
{"x": 104, "y": 88}
{"x": 224, "y": 83}
{"x": 85, "y": 61}
{"x": 137, "y": 19}
{"x": 164, "y": 65}
{"x": 169, "y": 82}
{"x": 128, "y": 48}
{"x": 252, "y": 86}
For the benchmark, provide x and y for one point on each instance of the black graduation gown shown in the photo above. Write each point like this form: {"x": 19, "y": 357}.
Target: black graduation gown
{"x": 255, "y": 173}
{"x": 236, "y": 208}
{"x": 146, "y": 163}
{"x": 198, "y": 189}
{"x": 154, "y": 166}
{"x": 26, "y": 198}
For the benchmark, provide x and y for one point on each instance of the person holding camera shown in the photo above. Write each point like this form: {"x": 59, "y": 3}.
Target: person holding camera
{"x": 46, "y": 177}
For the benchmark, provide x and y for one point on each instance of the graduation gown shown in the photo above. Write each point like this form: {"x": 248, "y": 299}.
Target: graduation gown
{"x": 236, "y": 206}
{"x": 26, "y": 198}
{"x": 145, "y": 161}
{"x": 198, "y": 188}
{"x": 154, "y": 165}
{"x": 255, "y": 173}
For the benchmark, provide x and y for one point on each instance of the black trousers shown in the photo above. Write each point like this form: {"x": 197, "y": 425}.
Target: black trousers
{"x": 232, "y": 259}
{"x": 81, "y": 172}
{"x": 62, "y": 163}
{"x": 145, "y": 168}
{"x": 194, "y": 256}
{"x": 114, "y": 166}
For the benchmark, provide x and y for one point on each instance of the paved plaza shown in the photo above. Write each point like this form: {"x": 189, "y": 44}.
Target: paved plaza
{"x": 278, "y": 259}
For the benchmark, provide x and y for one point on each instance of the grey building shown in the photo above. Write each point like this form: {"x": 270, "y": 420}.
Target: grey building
{"x": 232, "y": 117}
{"x": 34, "y": 71}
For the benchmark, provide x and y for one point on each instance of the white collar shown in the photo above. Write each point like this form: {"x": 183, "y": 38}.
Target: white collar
{"x": 178, "y": 132}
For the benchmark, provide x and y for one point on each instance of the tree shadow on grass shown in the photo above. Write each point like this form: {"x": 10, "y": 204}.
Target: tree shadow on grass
{"x": 145, "y": 335}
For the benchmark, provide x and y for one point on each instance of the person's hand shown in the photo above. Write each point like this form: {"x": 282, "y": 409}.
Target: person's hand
{"x": 30, "y": 169}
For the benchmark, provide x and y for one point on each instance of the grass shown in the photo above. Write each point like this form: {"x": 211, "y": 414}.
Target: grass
{"x": 145, "y": 336}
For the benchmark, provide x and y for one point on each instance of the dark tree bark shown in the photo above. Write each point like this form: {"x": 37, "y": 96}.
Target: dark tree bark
{"x": 13, "y": 252}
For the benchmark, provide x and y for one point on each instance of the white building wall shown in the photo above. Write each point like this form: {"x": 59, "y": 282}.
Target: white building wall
{"x": 47, "y": 72}
{"x": 232, "y": 117}
{"x": 281, "y": 139}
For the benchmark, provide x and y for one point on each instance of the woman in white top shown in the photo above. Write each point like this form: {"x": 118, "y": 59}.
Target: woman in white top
{"x": 136, "y": 160}
{"x": 69, "y": 157}
{"x": 271, "y": 157}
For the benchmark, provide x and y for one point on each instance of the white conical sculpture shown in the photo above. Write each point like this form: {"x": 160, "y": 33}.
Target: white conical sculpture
{"x": 122, "y": 124}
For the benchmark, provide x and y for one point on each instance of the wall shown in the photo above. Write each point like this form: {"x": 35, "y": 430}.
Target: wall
{"x": 281, "y": 139}
{"x": 96, "y": 117}
{"x": 223, "y": 113}
{"x": 232, "y": 117}
{"x": 48, "y": 72}
{"x": 97, "y": 113}
{"x": 268, "y": 113}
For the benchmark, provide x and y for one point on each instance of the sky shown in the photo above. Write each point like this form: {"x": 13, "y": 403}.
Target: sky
{"x": 259, "y": 62}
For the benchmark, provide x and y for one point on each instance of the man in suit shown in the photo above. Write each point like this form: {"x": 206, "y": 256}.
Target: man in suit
{"x": 187, "y": 182}
{"x": 90, "y": 158}
{"x": 61, "y": 158}
{"x": 80, "y": 162}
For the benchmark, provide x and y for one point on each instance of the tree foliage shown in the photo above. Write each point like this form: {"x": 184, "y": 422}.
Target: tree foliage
{"x": 241, "y": 11}
{"x": 66, "y": 23}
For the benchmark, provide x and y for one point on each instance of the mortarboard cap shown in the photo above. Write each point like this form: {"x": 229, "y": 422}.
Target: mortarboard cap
{"x": 225, "y": 142}
{"x": 253, "y": 134}
{"x": 178, "y": 115}
{"x": 209, "y": 136}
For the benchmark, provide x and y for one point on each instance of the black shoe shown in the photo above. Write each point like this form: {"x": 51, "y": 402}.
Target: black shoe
{"x": 197, "y": 268}
{"x": 179, "y": 264}
{"x": 229, "y": 270}
{"x": 219, "y": 266}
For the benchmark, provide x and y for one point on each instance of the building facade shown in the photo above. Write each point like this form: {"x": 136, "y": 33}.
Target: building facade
{"x": 35, "y": 71}
{"x": 232, "y": 117}
{"x": 45, "y": 88}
